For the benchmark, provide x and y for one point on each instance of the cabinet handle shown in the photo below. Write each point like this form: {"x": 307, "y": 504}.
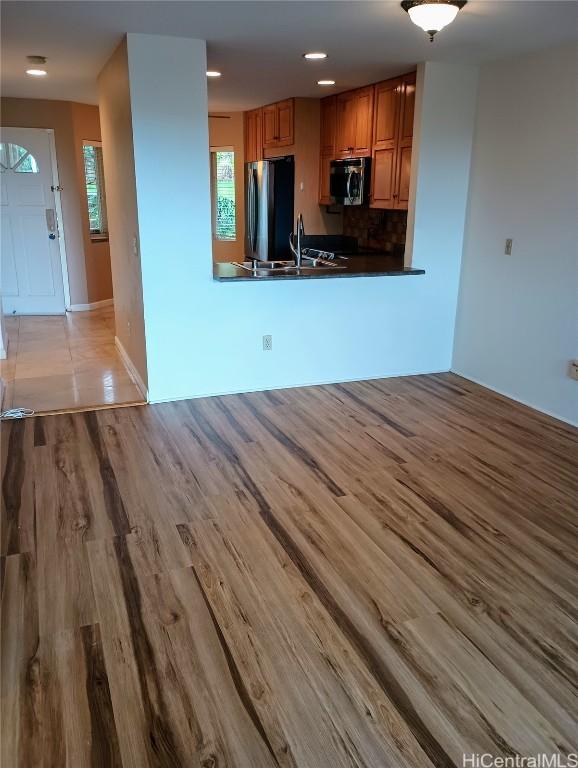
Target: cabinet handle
{"x": 395, "y": 194}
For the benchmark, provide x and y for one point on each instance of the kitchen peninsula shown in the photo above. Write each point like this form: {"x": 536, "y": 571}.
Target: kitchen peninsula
{"x": 360, "y": 265}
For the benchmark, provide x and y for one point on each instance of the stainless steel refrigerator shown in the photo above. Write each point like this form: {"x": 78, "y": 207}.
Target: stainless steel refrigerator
{"x": 269, "y": 203}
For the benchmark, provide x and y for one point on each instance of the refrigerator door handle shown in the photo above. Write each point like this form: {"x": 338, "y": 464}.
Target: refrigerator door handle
{"x": 255, "y": 211}
{"x": 250, "y": 207}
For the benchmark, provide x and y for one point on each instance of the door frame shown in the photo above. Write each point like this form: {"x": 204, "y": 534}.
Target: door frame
{"x": 57, "y": 204}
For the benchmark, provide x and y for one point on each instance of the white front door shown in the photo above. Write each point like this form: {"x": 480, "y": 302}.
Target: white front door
{"x": 31, "y": 270}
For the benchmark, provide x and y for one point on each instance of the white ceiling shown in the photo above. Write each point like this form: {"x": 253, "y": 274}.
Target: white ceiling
{"x": 258, "y": 45}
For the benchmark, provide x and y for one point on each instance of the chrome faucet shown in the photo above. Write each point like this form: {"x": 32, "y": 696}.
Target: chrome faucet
{"x": 297, "y": 250}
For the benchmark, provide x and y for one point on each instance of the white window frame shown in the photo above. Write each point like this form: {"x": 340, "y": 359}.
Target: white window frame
{"x": 212, "y": 155}
{"x": 94, "y": 236}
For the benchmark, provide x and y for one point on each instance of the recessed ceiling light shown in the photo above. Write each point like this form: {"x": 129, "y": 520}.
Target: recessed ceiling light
{"x": 326, "y": 82}
{"x": 213, "y": 73}
{"x": 36, "y": 72}
{"x": 315, "y": 55}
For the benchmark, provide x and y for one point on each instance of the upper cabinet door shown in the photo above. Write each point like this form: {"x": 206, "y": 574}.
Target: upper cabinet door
{"x": 270, "y": 125}
{"x": 328, "y": 119}
{"x": 407, "y": 107}
{"x": 346, "y": 124}
{"x": 363, "y": 121}
{"x": 405, "y": 140}
{"x": 383, "y": 178}
{"x": 278, "y": 121}
{"x": 284, "y": 123}
{"x": 354, "y": 123}
{"x": 386, "y": 114}
{"x": 253, "y": 136}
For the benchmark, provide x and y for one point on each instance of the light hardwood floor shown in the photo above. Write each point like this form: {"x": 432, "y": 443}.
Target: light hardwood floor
{"x": 65, "y": 362}
{"x": 380, "y": 573}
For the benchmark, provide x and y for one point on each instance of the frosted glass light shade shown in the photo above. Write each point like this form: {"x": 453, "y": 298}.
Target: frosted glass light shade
{"x": 432, "y": 17}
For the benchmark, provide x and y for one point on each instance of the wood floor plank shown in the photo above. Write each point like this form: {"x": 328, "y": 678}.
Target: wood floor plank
{"x": 175, "y": 697}
{"x": 373, "y": 574}
{"x": 291, "y": 653}
{"x": 17, "y": 511}
{"x": 64, "y": 590}
{"x": 56, "y": 707}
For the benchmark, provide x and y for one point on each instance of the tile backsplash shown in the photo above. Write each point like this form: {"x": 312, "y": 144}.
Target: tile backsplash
{"x": 374, "y": 228}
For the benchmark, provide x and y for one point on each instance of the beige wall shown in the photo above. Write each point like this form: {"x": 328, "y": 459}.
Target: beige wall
{"x": 119, "y": 174}
{"x": 226, "y": 130}
{"x": 88, "y": 265}
{"x": 86, "y": 125}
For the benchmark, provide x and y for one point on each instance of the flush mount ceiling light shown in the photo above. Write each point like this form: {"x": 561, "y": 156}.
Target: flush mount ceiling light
{"x": 36, "y": 70}
{"x": 432, "y": 15}
{"x": 213, "y": 73}
{"x": 326, "y": 82}
{"x": 314, "y": 55}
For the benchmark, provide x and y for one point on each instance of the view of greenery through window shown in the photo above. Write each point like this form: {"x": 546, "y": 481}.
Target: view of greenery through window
{"x": 16, "y": 158}
{"x": 224, "y": 195}
{"x": 94, "y": 175}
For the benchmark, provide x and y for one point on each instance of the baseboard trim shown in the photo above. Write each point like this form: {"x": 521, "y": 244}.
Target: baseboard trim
{"x": 132, "y": 371}
{"x": 510, "y": 396}
{"x": 93, "y": 305}
{"x": 318, "y": 383}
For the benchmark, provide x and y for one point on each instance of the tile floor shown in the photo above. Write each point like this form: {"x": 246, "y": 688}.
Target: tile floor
{"x": 68, "y": 362}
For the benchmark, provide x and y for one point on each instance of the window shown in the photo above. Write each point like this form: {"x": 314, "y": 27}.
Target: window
{"x": 223, "y": 193}
{"x": 15, "y": 158}
{"x": 94, "y": 177}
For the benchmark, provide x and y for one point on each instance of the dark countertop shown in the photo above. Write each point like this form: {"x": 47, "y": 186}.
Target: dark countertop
{"x": 360, "y": 264}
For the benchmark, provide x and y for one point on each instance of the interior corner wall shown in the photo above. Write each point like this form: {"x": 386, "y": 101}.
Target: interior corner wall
{"x": 517, "y": 322}
{"x": 205, "y": 337}
{"x": 442, "y": 147}
{"x": 119, "y": 176}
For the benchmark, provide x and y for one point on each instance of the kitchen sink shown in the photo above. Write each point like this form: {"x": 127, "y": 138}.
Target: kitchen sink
{"x": 309, "y": 265}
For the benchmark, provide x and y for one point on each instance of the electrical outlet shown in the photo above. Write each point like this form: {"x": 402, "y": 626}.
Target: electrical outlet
{"x": 573, "y": 372}
{"x": 267, "y": 343}
{"x": 508, "y": 248}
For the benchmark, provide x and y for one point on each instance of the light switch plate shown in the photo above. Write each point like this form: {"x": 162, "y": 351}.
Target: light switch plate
{"x": 508, "y": 248}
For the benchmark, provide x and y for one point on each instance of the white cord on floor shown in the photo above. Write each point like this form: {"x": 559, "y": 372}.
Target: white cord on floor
{"x": 16, "y": 413}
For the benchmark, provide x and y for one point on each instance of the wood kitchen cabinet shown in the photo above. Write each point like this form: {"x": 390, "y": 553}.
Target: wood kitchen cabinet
{"x": 324, "y": 176}
{"x": 327, "y": 146}
{"x": 253, "y": 135}
{"x": 328, "y": 120}
{"x": 405, "y": 140}
{"x": 278, "y": 124}
{"x": 392, "y": 142}
{"x": 354, "y": 123}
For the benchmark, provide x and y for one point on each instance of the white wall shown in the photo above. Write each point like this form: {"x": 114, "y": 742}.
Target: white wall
{"x": 205, "y": 337}
{"x": 517, "y": 324}
{"x": 123, "y": 225}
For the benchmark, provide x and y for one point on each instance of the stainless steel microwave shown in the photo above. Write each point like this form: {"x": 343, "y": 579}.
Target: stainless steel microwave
{"x": 349, "y": 181}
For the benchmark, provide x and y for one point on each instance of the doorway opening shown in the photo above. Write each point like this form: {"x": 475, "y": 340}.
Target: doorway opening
{"x": 58, "y": 355}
